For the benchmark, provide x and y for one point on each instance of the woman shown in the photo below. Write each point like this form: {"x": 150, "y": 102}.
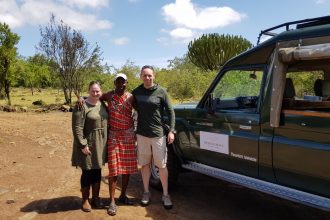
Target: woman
{"x": 89, "y": 126}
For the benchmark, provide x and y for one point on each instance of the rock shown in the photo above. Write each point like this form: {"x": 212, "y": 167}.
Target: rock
{"x": 23, "y": 109}
{"x": 8, "y": 108}
{"x": 53, "y": 107}
{"x": 10, "y": 201}
{"x": 39, "y": 110}
{"x": 66, "y": 108}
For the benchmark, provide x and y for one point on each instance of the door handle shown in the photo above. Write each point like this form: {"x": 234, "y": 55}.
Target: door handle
{"x": 245, "y": 127}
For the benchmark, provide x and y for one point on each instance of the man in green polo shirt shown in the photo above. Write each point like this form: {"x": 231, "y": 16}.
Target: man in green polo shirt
{"x": 151, "y": 103}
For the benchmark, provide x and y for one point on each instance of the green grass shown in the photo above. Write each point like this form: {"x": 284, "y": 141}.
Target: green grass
{"x": 24, "y": 97}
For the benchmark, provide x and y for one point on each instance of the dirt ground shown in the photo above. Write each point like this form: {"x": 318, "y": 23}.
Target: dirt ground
{"x": 38, "y": 182}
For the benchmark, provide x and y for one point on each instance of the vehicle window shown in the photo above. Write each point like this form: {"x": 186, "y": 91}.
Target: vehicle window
{"x": 238, "y": 90}
{"x": 308, "y": 90}
{"x": 304, "y": 83}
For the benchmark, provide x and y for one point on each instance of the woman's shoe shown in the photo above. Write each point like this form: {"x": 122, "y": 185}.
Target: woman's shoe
{"x": 86, "y": 207}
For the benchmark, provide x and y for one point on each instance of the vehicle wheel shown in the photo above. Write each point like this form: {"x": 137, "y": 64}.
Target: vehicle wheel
{"x": 173, "y": 167}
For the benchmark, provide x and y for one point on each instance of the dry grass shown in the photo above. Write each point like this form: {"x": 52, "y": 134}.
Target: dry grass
{"x": 23, "y": 97}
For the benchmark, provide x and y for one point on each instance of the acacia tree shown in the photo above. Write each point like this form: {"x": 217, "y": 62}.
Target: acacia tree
{"x": 70, "y": 53}
{"x": 8, "y": 53}
{"x": 211, "y": 51}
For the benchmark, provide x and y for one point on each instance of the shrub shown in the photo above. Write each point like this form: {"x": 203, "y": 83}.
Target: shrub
{"x": 39, "y": 102}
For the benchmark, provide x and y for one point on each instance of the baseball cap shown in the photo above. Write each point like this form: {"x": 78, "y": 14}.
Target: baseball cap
{"x": 122, "y": 75}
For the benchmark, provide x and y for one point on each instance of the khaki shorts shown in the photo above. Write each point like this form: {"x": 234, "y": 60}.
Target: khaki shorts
{"x": 152, "y": 148}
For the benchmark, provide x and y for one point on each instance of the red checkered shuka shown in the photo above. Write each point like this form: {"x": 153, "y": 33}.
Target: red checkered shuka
{"x": 122, "y": 157}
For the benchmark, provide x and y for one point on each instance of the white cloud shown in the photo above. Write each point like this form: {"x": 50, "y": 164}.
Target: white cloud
{"x": 133, "y": 1}
{"x": 10, "y": 14}
{"x": 181, "y": 33}
{"x": 320, "y": 2}
{"x": 178, "y": 36}
{"x": 189, "y": 20}
{"x": 86, "y": 3}
{"x": 36, "y": 12}
{"x": 121, "y": 41}
{"x": 184, "y": 13}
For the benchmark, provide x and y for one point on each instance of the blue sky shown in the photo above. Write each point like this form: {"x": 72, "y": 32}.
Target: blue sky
{"x": 152, "y": 31}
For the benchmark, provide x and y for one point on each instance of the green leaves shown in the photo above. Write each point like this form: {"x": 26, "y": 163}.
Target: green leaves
{"x": 184, "y": 81}
{"x": 211, "y": 51}
{"x": 8, "y": 53}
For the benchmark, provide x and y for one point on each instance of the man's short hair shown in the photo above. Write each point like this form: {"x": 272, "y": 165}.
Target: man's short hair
{"x": 147, "y": 67}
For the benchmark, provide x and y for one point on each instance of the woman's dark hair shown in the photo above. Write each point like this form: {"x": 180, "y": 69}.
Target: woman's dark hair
{"x": 92, "y": 83}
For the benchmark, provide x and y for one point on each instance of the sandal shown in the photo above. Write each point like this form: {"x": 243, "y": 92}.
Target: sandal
{"x": 112, "y": 210}
{"x": 125, "y": 200}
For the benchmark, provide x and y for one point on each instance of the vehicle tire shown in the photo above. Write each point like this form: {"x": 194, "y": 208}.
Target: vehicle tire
{"x": 173, "y": 167}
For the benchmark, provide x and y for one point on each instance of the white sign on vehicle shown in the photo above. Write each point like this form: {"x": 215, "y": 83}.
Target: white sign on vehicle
{"x": 214, "y": 142}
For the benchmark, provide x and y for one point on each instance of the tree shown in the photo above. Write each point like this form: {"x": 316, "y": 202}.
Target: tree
{"x": 211, "y": 51}
{"x": 184, "y": 80}
{"x": 38, "y": 72}
{"x": 8, "y": 53}
{"x": 71, "y": 55}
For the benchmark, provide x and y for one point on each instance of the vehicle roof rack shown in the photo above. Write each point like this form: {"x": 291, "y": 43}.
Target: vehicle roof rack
{"x": 299, "y": 24}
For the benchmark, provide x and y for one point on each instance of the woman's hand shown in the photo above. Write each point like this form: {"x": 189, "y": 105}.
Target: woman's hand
{"x": 86, "y": 150}
{"x": 170, "y": 137}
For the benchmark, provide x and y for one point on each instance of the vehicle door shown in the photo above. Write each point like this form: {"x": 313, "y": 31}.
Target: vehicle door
{"x": 301, "y": 144}
{"x": 227, "y": 136}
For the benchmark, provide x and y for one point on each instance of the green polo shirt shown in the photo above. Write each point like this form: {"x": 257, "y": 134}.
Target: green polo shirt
{"x": 152, "y": 105}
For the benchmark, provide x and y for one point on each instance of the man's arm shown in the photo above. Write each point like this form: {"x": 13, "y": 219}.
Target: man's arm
{"x": 106, "y": 97}
{"x": 170, "y": 111}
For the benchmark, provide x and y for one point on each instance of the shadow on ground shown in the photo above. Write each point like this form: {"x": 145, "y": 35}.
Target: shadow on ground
{"x": 45, "y": 206}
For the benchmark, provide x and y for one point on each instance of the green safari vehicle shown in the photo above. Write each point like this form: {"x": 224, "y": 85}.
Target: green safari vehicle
{"x": 270, "y": 129}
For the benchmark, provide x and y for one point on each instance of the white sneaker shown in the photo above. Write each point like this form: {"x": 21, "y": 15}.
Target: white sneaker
{"x": 145, "y": 198}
